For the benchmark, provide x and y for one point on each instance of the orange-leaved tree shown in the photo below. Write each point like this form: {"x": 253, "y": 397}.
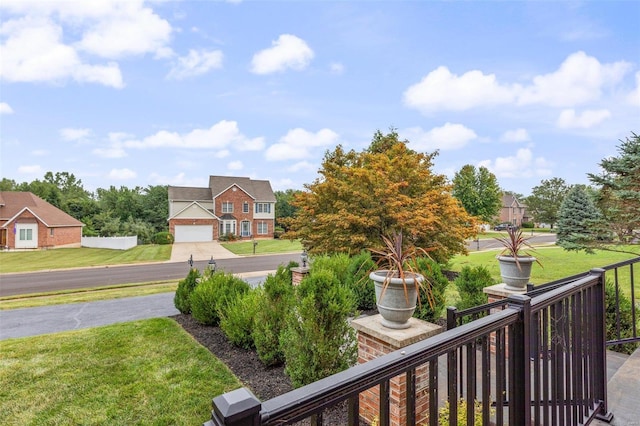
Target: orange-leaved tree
{"x": 380, "y": 191}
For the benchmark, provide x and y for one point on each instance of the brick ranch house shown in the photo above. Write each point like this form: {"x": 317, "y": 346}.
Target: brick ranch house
{"x": 29, "y": 222}
{"x": 238, "y": 206}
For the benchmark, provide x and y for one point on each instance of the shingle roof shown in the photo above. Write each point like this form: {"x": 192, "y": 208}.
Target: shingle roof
{"x": 184, "y": 193}
{"x": 260, "y": 190}
{"x": 14, "y": 203}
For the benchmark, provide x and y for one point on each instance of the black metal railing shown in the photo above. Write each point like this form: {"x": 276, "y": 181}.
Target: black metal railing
{"x": 502, "y": 383}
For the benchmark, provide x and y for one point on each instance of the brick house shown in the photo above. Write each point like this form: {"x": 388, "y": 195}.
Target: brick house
{"x": 29, "y": 222}
{"x": 513, "y": 211}
{"x": 237, "y": 206}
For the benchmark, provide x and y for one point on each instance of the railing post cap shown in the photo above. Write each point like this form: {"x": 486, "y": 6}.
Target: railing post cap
{"x": 236, "y": 405}
{"x": 518, "y": 298}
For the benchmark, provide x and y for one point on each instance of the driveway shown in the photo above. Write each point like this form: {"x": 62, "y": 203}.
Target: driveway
{"x": 181, "y": 252}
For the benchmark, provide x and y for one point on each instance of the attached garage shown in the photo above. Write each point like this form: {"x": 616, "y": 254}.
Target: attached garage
{"x": 26, "y": 235}
{"x": 193, "y": 233}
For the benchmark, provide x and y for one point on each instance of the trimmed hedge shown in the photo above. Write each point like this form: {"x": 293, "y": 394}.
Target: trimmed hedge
{"x": 213, "y": 295}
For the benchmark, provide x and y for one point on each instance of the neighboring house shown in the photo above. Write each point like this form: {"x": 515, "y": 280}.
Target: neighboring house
{"x": 237, "y": 206}
{"x": 29, "y": 222}
{"x": 513, "y": 211}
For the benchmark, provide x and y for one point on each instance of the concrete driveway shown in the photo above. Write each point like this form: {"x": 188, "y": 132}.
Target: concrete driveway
{"x": 181, "y": 252}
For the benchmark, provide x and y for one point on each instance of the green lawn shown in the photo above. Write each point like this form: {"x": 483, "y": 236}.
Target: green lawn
{"x": 245, "y": 248}
{"x": 136, "y": 373}
{"x": 556, "y": 263}
{"x": 22, "y": 261}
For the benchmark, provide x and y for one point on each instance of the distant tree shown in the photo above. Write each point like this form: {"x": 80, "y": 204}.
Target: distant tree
{"x": 361, "y": 196}
{"x": 545, "y": 200}
{"x": 8, "y": 185}
{"x": 478, "y": 191}
{"x": 121, "y": 203}
{"x": 155, "y": 206}
{"x": 284, "y": 206}
{"x": 619, "y": 195}
{"x": 578, "y": 221}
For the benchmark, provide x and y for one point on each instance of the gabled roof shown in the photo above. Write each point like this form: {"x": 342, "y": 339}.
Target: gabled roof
{"x": 260, "y": 190}
{"x": 15, "y": 203}
{"x": 510, "y": 200}
{"x": 184, "y": 193}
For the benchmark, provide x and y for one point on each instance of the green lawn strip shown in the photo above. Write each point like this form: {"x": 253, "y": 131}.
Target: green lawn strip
{"x": 556, "y": 263}
{"x": 501, "y": 234}
{"x": 141, "y": 372}
{"x": 23, "y": 261}
{"x": 86, "y": 295}
{"x": 245, "y": 248}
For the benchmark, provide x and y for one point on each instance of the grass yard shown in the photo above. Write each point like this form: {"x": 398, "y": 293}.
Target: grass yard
{"x": 245, "y": 248}
{"x": 142, "y": 372}
{"x": 556, "y": 263}
{"x": 23, "y": 261}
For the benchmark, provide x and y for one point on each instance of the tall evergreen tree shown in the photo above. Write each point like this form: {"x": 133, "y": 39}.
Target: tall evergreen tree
{"x": 578, "y": 221}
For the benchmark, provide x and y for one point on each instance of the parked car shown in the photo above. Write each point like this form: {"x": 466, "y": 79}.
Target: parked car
{"x": 504, "y": 227}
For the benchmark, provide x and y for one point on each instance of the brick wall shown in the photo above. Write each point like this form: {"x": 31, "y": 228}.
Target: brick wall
{"x": 238, "y": 198}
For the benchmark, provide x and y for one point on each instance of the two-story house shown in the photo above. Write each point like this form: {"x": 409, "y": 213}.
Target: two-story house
{"x": 513, "y": 211}
{"x": 237, "y": 206}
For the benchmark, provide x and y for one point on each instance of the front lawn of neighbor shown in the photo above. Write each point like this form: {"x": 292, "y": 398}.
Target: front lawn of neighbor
{"x": 556, "y": 263}
{"x": 23, "y": 261}
{"x": 245, "y": 248}
{"x": 141, "y": 372}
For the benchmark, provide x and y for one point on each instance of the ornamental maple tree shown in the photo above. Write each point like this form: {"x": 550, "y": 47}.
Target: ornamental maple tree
{"x": 387, "y": 188}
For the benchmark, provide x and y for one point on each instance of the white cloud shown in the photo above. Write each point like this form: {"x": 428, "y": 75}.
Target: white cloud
{"x": 71, "y": 134}
{"x": 196, "y": 63}
{"x": 178, "y": 180}
{"x": 5, "y": 108}
{"x": 220, "y": 135}
{"x": 442, "y": 90}
{"x": 302, "y": 166}
{"x": 579, "y": 79}
{"x": 448, "y": 137}
{"x": 336, "y": 68}
{"x": 634, "y": 96}
{"x": 569, "y": 119}
{"x": 298, "y": 143}
{"x": 517, "y": 135}
{"x": 522, "y": 164}
{"x": 121, "y": 174}
{"x": 114, "y": 151}
{"x": 33, "y": 52}
{"x": 235, "y": 165}
{"x": 288, "y": 51}
{"x": 30, "y": 170}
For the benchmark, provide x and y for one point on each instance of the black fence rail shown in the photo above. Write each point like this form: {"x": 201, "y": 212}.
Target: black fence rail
{"x": 621, "y": 274}
{"x": 537, "y": 361}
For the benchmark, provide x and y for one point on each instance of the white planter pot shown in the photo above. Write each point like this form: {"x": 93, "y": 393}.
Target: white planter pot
{"x": 515, "y": 278}
{"x": 394, "y": 306}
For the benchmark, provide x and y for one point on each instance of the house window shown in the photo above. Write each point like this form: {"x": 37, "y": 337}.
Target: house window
{"x": 263, "y": 228}
{"x": 228, "y": 227}
{"x": 263, "y": 207}
{"x": 245, "y": 207}
{"x": 245, "y": 228}
{"x": 26, "y": 234}
{"x": 227, "y": 207}
{"x": 51, "y": 232}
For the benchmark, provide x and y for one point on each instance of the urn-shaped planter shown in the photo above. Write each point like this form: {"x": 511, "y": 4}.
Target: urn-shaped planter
{"x": 515, "y": 274}
{"x": 396, "y": 298}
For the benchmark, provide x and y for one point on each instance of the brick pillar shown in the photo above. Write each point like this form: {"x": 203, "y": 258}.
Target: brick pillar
{"x": 495, "y": 293}
{"x": 297, "y": 274}
{"x": 375, "y": 340}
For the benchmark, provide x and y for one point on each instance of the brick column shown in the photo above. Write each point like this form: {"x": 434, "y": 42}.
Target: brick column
{"x": 297, "y": 274}
{"x": 495, "y": 293}
{"x": 375, "y": 340}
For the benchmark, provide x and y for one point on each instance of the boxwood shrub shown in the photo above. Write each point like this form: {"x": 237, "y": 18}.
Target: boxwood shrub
{"x": 213, "y": 295}
{"x": 181, "y": 300}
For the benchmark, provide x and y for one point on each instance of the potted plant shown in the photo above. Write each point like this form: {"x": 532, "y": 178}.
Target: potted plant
{"x": 398, "y": 281}
{"x": 515, "y": 263}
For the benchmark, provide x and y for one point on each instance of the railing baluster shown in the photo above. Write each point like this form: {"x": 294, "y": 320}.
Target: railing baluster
{"x": 471, "y": 381}
{"x": 500, "y": 376}
{"x": 354, "y": 410}
{"x": 535, "y": 354}
{"x": 452, "y": 386}
{"x": 633, "y": 301}
{"x": 411, "y": 397}
{"x": 433, "y": 390}
{"x": 566, "y": 333}
{"x": 384, "y": 403}
{"x": 486, "y": 380}
{"x": 545, "y": 366}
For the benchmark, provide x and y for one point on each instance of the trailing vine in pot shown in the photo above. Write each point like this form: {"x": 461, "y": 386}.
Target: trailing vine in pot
{"x": 515, "y": 260}
{"x": 398, "y": 280}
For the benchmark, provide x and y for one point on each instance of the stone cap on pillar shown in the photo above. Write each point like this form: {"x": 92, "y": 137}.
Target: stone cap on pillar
{"x": 238, "y": 407}
{"x": 397, "y": 338}
{"x": 501, "y": 291}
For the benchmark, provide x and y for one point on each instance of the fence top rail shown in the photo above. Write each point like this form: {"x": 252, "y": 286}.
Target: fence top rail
{"x": 308, "y": 399}
{"x": 620, "y": 264}
{"x": 544, "y": 300}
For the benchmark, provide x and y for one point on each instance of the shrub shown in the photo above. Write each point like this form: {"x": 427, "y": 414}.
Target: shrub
{"x": 213, "y": 295}
{"x": 163, "y": 238}
{"x": 527, "y": 225}
{"x": 444, "y": 413}
{"x": 237, "y": 322}
{"x": 228, "y": 237}
{"x": 625, "y": 318}
{"x": 270, "y": 318}
{"x": 358, "y": 281}
{"x": 181, "y": 300}
{"x": 470, "y": 283}
{"x": 277, "y": 232}
{"x": 437, "y": 285}
{"x": 318, "y": 340}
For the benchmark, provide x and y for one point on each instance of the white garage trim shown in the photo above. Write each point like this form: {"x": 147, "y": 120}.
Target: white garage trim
{"x": 26, "y": 235}
{"x": 193, "y": 233}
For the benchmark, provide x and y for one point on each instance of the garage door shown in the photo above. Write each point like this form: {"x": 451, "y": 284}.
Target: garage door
{"x": 193, "y": 233}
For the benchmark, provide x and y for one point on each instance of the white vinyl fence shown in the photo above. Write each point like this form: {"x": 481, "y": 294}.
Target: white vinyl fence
{"x": 116, "y": 243}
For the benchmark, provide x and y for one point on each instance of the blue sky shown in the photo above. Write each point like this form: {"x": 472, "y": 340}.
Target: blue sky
{"x": 136, "y": 93}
